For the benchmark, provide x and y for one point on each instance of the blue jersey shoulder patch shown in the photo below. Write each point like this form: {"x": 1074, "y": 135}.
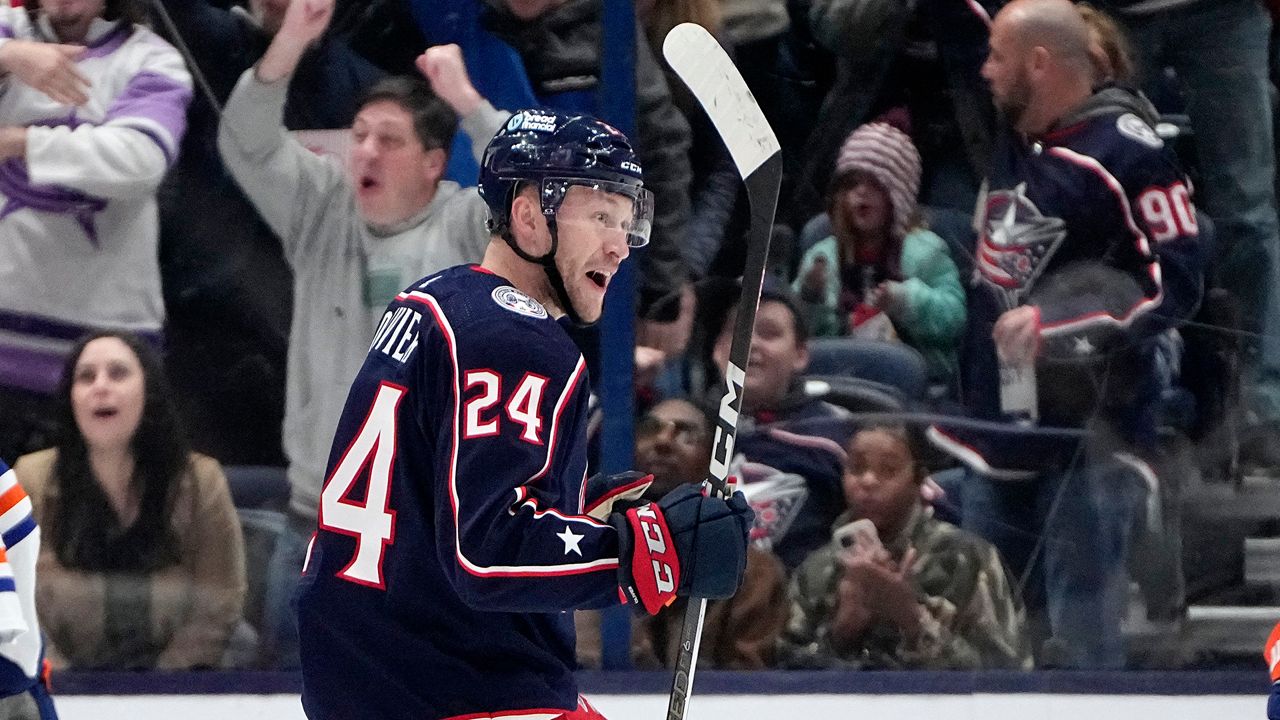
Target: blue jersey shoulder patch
{"x": 517, "y": 301}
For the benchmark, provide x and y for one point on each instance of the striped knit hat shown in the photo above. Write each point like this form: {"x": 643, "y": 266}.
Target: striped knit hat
{"x": 889, "y": 156}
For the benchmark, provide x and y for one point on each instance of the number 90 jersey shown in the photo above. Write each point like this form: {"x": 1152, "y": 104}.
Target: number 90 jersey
{"x": 451, "y": 534}
{"x": 1093, "y": 224}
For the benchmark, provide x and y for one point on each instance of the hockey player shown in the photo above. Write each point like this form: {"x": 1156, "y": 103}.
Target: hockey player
{"x": 456, "y": 522}
{"x": 24, "y": 693}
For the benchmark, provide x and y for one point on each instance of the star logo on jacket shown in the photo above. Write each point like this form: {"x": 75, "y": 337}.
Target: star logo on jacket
{"x": 1017, "y": 241}
{"x": 1082, "y": 346}
{"x": 571, "y": 540}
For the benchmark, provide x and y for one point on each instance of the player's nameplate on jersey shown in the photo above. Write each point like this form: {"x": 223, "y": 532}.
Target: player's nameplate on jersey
{"x": 1018, "y": 391}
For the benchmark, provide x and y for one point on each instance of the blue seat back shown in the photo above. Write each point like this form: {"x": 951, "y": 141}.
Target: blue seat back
{"x": 887, "y": 363}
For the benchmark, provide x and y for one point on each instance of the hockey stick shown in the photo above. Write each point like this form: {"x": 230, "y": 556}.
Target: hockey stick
{"x": 703, "y": 66}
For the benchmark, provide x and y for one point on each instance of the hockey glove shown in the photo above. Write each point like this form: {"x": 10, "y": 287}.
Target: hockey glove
{"x": 604, "y": 492}
{"x": 684, "y": 544}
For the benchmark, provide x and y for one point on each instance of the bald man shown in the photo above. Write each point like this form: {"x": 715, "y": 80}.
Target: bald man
{"x": 1039, "y": 67}
{"x": 1087, "y": 257}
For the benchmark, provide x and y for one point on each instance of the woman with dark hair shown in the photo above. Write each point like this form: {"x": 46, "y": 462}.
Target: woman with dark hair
{"x": 142, "y": 565}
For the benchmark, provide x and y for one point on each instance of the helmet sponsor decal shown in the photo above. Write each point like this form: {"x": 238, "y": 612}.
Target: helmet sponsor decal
{"x": 529, "y": 120}
{"x": 516, "y": 301}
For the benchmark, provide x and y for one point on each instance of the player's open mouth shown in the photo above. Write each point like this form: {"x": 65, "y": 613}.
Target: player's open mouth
{"x": 600, "y": 279}
{"x": 368, "y": 183}
{"x": 105, "y": 412}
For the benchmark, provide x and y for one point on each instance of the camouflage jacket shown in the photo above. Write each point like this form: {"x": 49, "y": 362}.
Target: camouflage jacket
{"x": 970, "y": 616}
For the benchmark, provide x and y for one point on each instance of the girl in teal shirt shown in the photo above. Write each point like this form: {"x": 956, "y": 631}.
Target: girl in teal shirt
{"x": 880, "y": 264}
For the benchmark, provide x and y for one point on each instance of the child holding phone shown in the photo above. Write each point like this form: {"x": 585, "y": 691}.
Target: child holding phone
{"x": 896, "y": 587}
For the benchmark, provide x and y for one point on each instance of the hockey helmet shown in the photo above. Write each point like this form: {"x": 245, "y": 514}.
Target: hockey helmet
{"x": 555, "y": 151}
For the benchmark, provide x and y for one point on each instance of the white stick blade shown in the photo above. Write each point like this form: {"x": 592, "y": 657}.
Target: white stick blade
{"x": 712, "y": 78}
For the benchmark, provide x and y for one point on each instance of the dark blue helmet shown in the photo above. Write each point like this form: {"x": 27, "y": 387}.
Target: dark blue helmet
{"x": 554, "y": 151}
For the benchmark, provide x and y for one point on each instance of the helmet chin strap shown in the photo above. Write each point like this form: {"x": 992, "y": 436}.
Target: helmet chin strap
{"x": 548, "y": 263}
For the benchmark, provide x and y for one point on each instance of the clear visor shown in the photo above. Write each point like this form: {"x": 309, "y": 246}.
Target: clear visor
{"x": 601, "y": 206}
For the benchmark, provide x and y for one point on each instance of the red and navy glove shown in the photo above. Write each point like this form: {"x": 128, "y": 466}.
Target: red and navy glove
{"x": 684, "y": 544}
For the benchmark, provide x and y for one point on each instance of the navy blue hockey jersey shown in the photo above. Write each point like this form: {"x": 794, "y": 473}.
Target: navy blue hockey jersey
{"x": 451, "y": 535}
{"x": 1094, "y": 225}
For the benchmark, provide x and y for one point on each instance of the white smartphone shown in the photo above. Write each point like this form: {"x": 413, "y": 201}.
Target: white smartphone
{"x": 859, "y": 533}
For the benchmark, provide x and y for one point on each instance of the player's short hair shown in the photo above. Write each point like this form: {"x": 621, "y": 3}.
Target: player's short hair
{"x": 434, "y": 122}
{"x": 1061, "y": 29}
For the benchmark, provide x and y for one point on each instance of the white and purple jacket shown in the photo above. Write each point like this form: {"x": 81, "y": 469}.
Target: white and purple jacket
{"x": 78, "y": 220}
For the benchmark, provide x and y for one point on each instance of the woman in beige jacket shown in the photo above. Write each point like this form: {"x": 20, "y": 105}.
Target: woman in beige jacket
{"x": 142, "y": 564}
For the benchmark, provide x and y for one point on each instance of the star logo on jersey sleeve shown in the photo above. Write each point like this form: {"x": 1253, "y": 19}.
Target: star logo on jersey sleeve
{"x": 571, "y": 540}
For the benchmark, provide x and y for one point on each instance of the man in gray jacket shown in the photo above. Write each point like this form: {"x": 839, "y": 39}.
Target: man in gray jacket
{"x": 354, "y": 237}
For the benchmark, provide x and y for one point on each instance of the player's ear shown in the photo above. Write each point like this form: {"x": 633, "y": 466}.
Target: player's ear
{"x": 528, "y": 225}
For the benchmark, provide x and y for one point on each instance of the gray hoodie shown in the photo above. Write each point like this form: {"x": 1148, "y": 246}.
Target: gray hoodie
{"x": 344, "y": 272}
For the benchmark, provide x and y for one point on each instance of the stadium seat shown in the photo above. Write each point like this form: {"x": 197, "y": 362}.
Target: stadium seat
{"x": 262, "y": 529}
{"x": 888, "y": 363}
{"x": 257, "y": 486}
{"x": 815, "y": 230}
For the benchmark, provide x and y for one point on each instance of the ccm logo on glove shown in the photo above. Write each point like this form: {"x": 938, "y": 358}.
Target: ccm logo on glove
{"x": 653, "y": 528}
{"x": 655, "y": 568}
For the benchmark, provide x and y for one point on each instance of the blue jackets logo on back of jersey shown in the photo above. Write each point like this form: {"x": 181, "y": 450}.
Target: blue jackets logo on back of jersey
{"x": 518, "y": 302}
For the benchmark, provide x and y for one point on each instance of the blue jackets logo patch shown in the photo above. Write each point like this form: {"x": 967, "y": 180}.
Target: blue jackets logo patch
{"x": 1017, "y": 242}
{"x": 518, "y": 302}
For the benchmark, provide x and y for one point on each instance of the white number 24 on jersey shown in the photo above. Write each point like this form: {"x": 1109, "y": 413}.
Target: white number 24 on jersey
{"x": 523, "y": 408}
